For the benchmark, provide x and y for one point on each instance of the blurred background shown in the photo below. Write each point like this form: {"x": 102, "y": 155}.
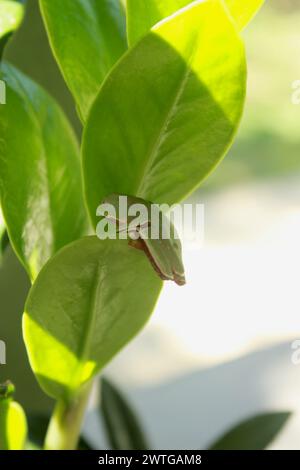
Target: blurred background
{"x": 219, "y": 349}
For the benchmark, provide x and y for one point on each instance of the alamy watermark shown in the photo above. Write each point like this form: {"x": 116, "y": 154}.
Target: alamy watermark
{"x": 125, "y": 217}
{"x": 295, "y": 357}
{"x": 2, "y": 92}
{"x": 2, "y": 353}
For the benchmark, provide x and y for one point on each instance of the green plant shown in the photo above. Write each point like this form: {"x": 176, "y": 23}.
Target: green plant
{"x": 160, "y": 103}
{"x": 125, "y": 431}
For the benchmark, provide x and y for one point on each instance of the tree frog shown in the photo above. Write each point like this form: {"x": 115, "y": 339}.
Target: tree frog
{"x": 151, "y": 231}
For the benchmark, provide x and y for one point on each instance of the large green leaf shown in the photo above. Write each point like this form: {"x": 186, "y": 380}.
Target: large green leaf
{"x": 40, "y": 180}
{"x": 142, "y": 15}
{"x": 87, "y": 38}
{"x": 122, "y": 427}
{"x": 253, "y": 434}
{"x": 103, "y": 293}
{"x": 168, "y": 112}
{"x": 11, "y": 15}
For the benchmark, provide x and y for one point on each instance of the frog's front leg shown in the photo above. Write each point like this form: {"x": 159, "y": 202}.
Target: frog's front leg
{"x": 139, "y": 244}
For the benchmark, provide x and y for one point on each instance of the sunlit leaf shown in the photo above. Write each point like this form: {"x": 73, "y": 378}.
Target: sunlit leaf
{"x": 167, "y": 113}
{"x": 103, "y": 294}
{"x": 243, "y": 11}
{"x": 13, "y": 425}
{"x": 11, "y": 15}
{"x": 142, "y": 15}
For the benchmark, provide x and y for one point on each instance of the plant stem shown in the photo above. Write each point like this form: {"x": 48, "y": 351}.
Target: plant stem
{"x": 65, "y": 424}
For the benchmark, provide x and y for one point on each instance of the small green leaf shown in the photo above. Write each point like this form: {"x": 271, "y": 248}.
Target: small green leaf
{"x": 253, "y": 434}
{"x": 13, "y": 425}
{"x": 103, "y": 294}
{"x": 11, "y": 16}
{"x": 40, "y": 179}
{"x": 141, "y": 15}
{"x": 87, "y": 38}
{"x": 7, "y": 390}
{"x": 170, "y": 109}
{"x": 122, "y": 426}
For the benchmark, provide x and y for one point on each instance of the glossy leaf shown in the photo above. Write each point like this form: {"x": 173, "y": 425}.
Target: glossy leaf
{"x": 40, "y": 180}
{"x": 11, "y": 15}
{"x": 243, "y": 11}
{"x": 168, "y": 112}
{"x": 253, "y": 434}
{"x": 103, "y": 294}
{"x": 13, "y": 425}
{"x": 122, "y": 426}
{"x": 87, "y": 38}
{"x": 141, "y": 15}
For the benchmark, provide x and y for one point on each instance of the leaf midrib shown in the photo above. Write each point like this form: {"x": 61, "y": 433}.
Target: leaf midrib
{"x": 169, "y": 115}
{"x": 88, "y": 327}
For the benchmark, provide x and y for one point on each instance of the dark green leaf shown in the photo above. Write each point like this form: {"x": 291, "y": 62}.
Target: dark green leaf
{"x": 253, "y": 434}
{"x": 122, "y": 427}
{"x": 87, "y": 38}
{"x": 142, "y": 15}
{"x": 40, "y": 179}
